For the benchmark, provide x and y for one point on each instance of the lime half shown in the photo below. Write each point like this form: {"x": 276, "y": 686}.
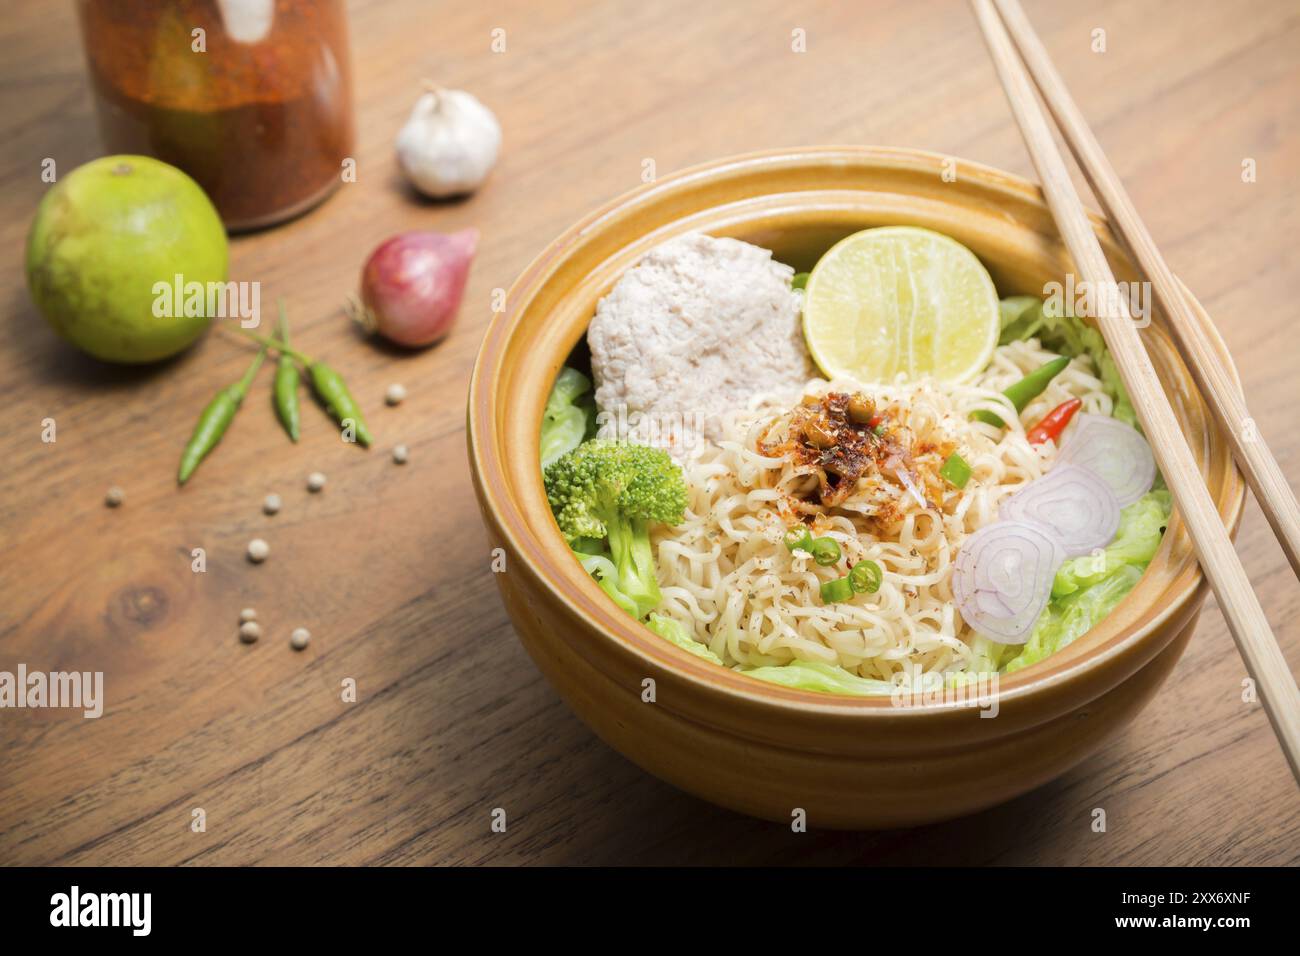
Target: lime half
{"x": 900, "y": 299}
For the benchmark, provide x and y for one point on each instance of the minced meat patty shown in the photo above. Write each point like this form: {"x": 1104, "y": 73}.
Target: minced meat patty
{"x": 694, "y": 330}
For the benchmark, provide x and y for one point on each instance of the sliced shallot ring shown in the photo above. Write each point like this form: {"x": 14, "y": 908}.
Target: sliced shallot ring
{"x": 1114, "y": 452}
{"x": 1072, "y": 503}
{"x": 1002, "y": 579}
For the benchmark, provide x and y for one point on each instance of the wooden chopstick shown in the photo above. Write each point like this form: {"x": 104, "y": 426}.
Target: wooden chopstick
{"x": 1218, "y": 559}
{"x": 1248, "y": 446}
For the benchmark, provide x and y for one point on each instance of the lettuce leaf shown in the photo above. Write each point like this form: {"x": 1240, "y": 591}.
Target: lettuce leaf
{"x": 1122, "y": 408}
{"x": 1069, "y": 618}
{"x": 600, "y": 567}
{"x": 814, "y": 675}
{"x": 673, "y": 632}
{"x": 1010, "y": 310}
{"x": 986, "y": 655}
{"x": 569, "y": 414}
{"x": 1086, "y": 590}
{"x": 1141, "y": 525}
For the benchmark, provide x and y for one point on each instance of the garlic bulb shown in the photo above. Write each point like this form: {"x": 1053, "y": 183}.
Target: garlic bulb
{"x": 449, "y": 144}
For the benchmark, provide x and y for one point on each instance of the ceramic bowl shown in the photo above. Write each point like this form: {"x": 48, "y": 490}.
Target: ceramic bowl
{"x": 758, "y": 748}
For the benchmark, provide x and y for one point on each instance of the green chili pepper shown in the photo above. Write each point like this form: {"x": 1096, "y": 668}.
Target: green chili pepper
{"x": 955, "y": 470}
{"x": 215, "y": 419}
{"x": 825, "y": 551}
{"x": 833, "y": 592}
{"x": 799, "y": 538}
{"x": 866, "y": 576}
{"x": 329, "y": 387}
{"x": 286, "y": 384}
{"x": 1027, "y": 389}
{"x": 333, "y": 391}
{"x": 799, "y": 281}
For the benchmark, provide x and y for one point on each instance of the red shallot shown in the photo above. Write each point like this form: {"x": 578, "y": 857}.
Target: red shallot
{"x": 412, "y": 285}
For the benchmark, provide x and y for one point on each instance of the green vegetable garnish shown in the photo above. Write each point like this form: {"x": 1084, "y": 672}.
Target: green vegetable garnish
{"x": 1027, "y": 389}
{"x": 1070, "y": 335}
{"x": 800, "y": 539}
{"x": 866, "y": 577}
{"x": 567, "y": 415}
{"x": 955, "y": 471}
{"x": 825, "y": 551}
{"x": 1070, "y": 618}
{"x": 614, "y": 490}
{"x": 673, "y": 632}
{"x": 600, "y": 567}
{"x": 799, "y": 281}
{"x": 588, "y": 545}
{"x": 815, "y": 675}
{"x": 837, "y": 591}
{"x": 986, "y": 655}
{"x": 1011, "y": 309}
{"x": 1141, "y": 525}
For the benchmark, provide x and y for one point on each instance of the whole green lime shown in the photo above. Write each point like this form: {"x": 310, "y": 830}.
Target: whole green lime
{"x": 112, "y": 244}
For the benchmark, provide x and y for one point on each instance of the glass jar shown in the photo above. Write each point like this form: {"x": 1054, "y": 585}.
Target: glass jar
{"x": 253, "y": 98}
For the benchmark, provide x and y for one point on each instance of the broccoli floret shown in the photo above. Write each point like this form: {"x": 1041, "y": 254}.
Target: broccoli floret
{"x": 613, "y": 490}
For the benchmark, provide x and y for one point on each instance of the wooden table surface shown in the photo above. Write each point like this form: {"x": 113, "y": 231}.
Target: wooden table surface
{"x": 389, "y": 566}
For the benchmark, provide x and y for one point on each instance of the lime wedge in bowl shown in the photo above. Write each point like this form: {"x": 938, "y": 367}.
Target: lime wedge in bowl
{"x": 900, "y": 299}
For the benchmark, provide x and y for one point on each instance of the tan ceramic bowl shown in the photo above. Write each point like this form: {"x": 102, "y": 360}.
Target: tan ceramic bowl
{"x": 751, "y": 746}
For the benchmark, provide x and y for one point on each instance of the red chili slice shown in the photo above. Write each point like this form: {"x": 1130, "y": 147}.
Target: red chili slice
{"x": 1054, "y": 422}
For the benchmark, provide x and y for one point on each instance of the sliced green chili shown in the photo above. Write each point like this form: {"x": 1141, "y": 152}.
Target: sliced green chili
{"x": 329, "y": 387}
{"x": 215, "y": 419}
{"x": 285, "y": 390}
{"x": 825, "y": 551}
{"x": 837, "y": 591}
{"x": 800, "y": 539}
{"x": 866, "y": 577}
{"x": 955, "y": 471}
{"x": 799, "y": 281}
{"x": 1026, "y": 390}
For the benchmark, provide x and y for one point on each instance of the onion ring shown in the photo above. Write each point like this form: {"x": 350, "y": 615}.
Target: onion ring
{"x": 1114, "y": 452}
{"x": 1072, "y": 504}
{"x": 1002, "y": 578}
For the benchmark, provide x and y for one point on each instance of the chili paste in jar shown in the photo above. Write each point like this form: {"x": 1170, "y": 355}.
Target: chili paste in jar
{"x": 252, "y": 98}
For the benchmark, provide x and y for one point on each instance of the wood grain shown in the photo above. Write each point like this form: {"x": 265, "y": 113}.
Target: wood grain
{"x": 389, "y": 567}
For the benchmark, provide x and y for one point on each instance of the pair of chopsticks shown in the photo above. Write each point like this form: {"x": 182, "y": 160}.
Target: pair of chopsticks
{"x": 1218, "y": 559}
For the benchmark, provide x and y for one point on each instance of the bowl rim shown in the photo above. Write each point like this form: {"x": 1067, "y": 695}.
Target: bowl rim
{"x": 612, "y": 625}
